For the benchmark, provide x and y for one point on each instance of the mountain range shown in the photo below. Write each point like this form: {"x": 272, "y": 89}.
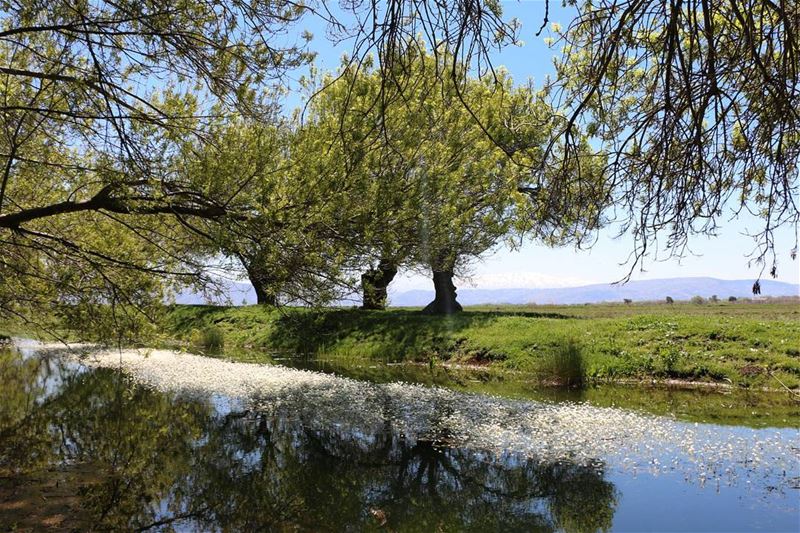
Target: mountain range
{"x": 644, "y": 290}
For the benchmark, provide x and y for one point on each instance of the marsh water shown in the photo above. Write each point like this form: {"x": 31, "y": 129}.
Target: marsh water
{"x": 85, "y": 446}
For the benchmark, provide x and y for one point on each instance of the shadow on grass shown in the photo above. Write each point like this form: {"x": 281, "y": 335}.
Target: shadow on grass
{"x": 184, "y": 318}
{"x": 393, "y": 335}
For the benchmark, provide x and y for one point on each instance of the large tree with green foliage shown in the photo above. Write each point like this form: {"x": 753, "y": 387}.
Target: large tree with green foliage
{"x": 695, "y": 101}
{"x": 303, "y": 234}
{"x": 98, "y": 99}
{"x": 432, "y": 190}
{"x": 698, "y": 103}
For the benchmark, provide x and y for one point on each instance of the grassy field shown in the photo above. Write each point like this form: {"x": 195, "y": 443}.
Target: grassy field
{"x": 744, "y": 343}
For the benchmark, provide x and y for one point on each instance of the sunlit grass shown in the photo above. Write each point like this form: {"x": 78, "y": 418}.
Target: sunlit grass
{"x": 731, "y": 342}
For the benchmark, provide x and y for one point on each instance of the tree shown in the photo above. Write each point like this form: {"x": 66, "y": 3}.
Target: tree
{"x": 434, "y": 191}
{"x": 335, "y": 193}
{"x": 89, "y": 78}
{"x": 698, "y": 104}
{"x": 401, "y": 149}
{"x": 364, "y": 141}
{"x": 97, "y": 98}
{"x": 695, "y": 102}
{"x": 301, "y": 238}
{"x": 375, "y": 283}
{"x": 73, "y": 228}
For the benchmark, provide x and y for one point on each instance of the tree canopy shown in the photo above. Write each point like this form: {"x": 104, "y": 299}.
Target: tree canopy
{"x": 698, "y": 103}
{"x": 695, "y": 101}
{"x": 97, "y": 100}
{"x": 379, "y": 174}
{"x": 100, "y": 101}
{"x": 665, "y": 116}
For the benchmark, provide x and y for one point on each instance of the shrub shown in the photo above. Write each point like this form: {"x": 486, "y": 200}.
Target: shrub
{"x": 731, "y": 298}
{"x": 699, "y": 300}
{"x": 564, "y": 365}
{"x": 670, "y": 300}
{"x": 713, "y": 299}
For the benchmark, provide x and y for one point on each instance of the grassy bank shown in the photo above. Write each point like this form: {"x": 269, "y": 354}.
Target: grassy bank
{"x": 744, "y": 343}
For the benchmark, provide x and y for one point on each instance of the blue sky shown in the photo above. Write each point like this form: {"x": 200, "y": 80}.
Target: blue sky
{"x": 534, "y": 265}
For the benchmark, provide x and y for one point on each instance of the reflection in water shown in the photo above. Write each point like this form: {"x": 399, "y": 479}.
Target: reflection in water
{"x": 134, "y": 457}
{"x": 549, "y": 432}
{"x": 740, "y": 407}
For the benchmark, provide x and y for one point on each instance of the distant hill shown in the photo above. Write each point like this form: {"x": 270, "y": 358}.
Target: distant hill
{"x": 655, "y": 289}
{"x": 237, "y": 293}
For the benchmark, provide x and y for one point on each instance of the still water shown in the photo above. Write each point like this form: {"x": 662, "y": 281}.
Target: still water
{"x": 194, "y": 444}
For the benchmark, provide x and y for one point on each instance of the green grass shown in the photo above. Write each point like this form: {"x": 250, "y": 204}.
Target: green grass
{"x": 744, "y": 343}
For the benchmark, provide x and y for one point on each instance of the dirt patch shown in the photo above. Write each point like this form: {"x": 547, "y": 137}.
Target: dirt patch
{"x": 751, "y": 370}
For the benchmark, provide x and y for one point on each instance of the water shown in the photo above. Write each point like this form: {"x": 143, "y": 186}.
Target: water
{"x": 199, "y": 444}
{"x": 741, "y": 407}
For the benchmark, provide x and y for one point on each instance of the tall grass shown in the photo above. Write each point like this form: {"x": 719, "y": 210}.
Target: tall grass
{"x": 564, "y": 366}
{"x": 212, "y": 339}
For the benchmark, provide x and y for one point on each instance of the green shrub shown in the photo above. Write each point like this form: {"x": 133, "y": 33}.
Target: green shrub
{"x": 699, "y": 300}
{"x": 564, "y": 365}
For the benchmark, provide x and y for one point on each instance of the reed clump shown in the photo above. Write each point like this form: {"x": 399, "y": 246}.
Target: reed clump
{"x": 564, "y": 366}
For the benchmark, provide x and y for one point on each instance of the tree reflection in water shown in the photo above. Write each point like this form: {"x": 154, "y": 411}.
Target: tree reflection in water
{"x": 165, "y": 462}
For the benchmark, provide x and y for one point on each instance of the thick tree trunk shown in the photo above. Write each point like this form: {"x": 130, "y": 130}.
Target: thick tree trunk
{"x": 445, "y": 301}
{"x": 374, "y": 284}
{"x": 263, "y": 296}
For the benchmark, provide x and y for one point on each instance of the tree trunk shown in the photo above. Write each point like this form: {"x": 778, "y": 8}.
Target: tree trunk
{"x": 445, "y": 301}
{"x": 263, "y": 296}
{"x": 374, "y": 284}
